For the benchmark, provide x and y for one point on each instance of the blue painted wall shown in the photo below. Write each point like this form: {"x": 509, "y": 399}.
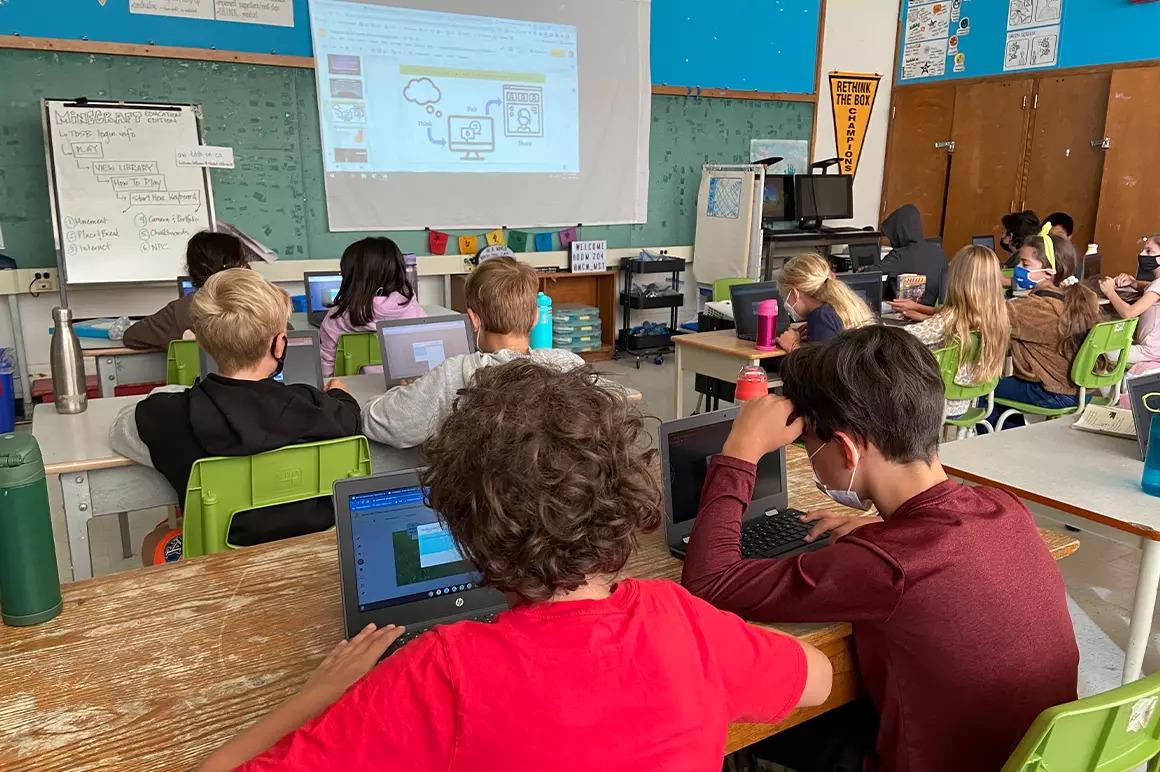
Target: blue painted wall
{"x": 761, "y": 45}
{"x": 1092, "y": 32}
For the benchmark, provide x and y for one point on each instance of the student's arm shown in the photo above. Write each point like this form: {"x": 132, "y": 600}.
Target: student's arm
{"x": 1146, "y": 300}
{"x": 154, "y": 331}
{"x": 407, "y": 415}
{"x": 891, "y": 265}
{"x": 327, "y": 343}
{"x": 124, "y": 437}
{"x": 931, "y": 332}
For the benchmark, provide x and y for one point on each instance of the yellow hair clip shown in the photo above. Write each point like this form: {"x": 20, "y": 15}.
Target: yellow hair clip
{"x": 1048, "y": 245}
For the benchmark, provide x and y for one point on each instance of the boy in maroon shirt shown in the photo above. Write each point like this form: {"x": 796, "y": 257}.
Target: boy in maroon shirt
{"x": 960, "y": 618}
{"x": 544, "y": 481}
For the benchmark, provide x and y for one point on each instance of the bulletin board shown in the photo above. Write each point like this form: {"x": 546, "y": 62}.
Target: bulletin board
{"x": 974, "y": 38}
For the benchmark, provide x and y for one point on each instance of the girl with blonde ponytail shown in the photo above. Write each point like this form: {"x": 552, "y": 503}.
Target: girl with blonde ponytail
{"x": 810, "y": 293}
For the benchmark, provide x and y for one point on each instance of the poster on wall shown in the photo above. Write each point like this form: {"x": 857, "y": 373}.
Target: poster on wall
{"x": 793, "y": 152}
{"x": 1033, "y": 13}
{"x": 277, "y": 13}
{"x": 1032, "y": 34}
{"x": 852, "y": 96}
{"x": 925, "y": 39}
{"x": 924, "y": 59}
{"x": 928, "y": 22}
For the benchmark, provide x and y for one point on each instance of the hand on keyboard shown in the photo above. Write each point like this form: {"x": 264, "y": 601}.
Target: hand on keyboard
{"x": 835, "y": 524}
{"x": 349, "y": 661}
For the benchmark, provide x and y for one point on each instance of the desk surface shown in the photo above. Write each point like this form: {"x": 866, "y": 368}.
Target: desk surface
{"x": 725, "y": 342}
{"x": 1090, "y": 475}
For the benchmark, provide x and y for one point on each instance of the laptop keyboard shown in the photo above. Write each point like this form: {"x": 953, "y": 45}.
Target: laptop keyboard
{"x": 779, "y": 532}
{"x": 413, "y": 633}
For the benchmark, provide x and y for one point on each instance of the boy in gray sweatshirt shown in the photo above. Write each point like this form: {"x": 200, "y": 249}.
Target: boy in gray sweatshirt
{"x": 501, "y": 303}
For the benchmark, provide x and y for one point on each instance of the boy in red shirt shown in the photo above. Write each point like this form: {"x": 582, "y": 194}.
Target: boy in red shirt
{"x": 544, "y": 481}
{"x": 960, "y": 617}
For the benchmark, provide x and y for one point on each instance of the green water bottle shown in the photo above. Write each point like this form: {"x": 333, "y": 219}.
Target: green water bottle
{"x": 29, "y": 583}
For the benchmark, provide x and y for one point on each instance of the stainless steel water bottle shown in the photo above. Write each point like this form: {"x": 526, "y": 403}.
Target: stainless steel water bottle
{"x": 29, "y": 583}
{"x": 68, "y": 369}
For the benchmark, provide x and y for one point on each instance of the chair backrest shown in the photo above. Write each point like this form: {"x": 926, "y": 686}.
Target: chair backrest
{"x": 220, "y": 487}
{"x": 721, "y": 287}
{"x": 356, "y": 350}
{"x": 1115, "y": 730}
{"x": 182, "y": 363}
{"x": 950, "y": 359}
{"x": 1106, "y": 337}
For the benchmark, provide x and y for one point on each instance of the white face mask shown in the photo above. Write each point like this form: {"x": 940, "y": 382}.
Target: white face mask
{"x": 793, "y": 313}
{"x": 847, "y": 498}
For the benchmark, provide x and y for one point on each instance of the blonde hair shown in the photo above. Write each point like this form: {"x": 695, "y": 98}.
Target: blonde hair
{"x": 502, "y": 292}
{"x": 810, "y": 275}
{"x": 236, "y": 315}
{"x": 976, "y": 303}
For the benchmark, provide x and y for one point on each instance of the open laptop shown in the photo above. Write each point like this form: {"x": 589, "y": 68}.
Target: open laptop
{"x": 397, "y": 561}
{"x": 303, "y": 361}
{"x": 865, "y": 256}
{"x": 185, "y": 286}
{"x": 1142, "y": 395}
{"x": 413, "y": 347}
{"x": 987, "y": 240}
{"x": 866, "y": 285}
{"x": 744, "y": 299}
{"x": 769, "y": 527}
{"x": 321, "y": 290}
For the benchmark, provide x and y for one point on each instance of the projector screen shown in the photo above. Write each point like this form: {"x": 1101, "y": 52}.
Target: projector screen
{"x": 482, "y": 113}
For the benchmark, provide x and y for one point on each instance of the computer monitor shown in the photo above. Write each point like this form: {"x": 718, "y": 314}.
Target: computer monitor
{"x": 303, "y": 362}
{"x": 778, "y": 202}
{"x": 413, "y": 347}
{"x": 866, "y": 285}
{"x": 745, "y": 297}
{"x": 820, "y": 197}
{"x": 185, "y": 286}
{"x": 470, "y": 135}
{"x": 321, "y": 290}
{"x": 987, "y": 241}
{"x": 863, "y": 256}
{"x": 1092, "y": 265}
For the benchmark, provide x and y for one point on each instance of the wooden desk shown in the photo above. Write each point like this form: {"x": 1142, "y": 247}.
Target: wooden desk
{"x": 1088, "y": 480}
{"x": 719, "y": 354}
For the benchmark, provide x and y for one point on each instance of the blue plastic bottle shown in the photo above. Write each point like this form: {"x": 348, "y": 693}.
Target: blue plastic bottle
{"x": 1150, "y": 482}
{"x": 7, "y": 392}
{"x": 542, "y": 329}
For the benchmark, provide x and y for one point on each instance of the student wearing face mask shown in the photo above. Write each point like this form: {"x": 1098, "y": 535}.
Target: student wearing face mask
{"x": 960, "y": 616}
{"x": 1017, "y": 228}
{"x": 811, "y": 294}
{"x": 1146, "y": 307}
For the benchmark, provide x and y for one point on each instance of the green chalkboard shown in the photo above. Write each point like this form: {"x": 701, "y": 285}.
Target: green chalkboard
{"x": 269, "y": 116}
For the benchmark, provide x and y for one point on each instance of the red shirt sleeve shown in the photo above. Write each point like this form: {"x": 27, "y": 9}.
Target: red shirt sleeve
{"x": 762, "y": 673}
{"x": 851, "y": 580}
{"x": 404, "y": 709}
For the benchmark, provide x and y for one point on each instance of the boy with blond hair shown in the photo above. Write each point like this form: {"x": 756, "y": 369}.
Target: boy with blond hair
{"x": 240, "y": 320}
{"x": 501, "y": 303}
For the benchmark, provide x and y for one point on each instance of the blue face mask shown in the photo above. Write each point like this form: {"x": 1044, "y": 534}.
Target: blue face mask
{"x": 1022, "y": 278}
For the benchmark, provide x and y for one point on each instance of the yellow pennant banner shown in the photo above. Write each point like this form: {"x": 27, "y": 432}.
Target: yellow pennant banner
{"x": 852, "y": 95}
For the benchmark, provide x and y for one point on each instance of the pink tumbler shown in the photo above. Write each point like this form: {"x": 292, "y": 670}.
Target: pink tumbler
{"x": 752, "y": 383}
{"x": 766, "y": 325}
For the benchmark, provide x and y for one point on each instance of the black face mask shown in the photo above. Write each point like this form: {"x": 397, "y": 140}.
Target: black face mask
{"x": 1145, "y": 267}
{"x": 1006, "y": 244}
{"x": 281, "y": 360}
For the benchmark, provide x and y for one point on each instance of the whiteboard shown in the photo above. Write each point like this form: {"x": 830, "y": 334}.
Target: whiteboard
{"x": 123, "y": 209}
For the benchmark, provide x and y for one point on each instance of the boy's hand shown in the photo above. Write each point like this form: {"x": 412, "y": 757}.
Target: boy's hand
{"x": 761, "y": 427}
{"x": 837, "y": 525}
{"x": 349, "y": 661}
{"x": 790, "y": 339}
{"x": 334, "y": 383}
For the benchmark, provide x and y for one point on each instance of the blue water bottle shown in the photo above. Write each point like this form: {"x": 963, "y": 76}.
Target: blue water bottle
{"x": 7, "y": 392}
{"x": 542, "y": 329}
{"x": 1150, "y": 482}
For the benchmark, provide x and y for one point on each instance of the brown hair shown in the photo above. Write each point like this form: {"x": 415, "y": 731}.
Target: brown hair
{"x": 1081, "y": 306}
{"x": 236, "y": 316}
{"x": 543, "y": 477}
{"x": 502, "y": 291}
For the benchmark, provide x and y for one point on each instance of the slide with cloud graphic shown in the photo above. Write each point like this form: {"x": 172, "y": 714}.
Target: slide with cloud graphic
{"x": 406, "y": 90}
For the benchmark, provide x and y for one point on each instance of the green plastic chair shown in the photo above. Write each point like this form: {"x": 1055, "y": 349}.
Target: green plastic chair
{"x": 1114, "y": 336}
{"x": 1110, "y": 732}
{"x": 221, "y": 487}
{"x": 949, "y": 360}
{"x": 356, "y": 350}
{"x": 182, "y": 363}
{"x": 721, "y": 287}
{"x": 1008, "y": 273}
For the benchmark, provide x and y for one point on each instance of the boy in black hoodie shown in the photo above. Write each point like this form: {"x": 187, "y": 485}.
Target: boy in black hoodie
{"x": 914, "y": 254}
{"x": 240, "y": 320}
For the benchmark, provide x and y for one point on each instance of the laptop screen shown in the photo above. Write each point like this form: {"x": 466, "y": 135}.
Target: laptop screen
{"x": 746, "y": 298}
{"x": 691, "y": 450}
{"x": 402, "y": 553}
{"x": 184, "y": 286}
{"x": 322, "y": 290}
{"x": 302, "y": 363}
{"x": 414, "y": 349}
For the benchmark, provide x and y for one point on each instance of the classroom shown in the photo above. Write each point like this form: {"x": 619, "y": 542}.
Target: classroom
{"x": 761, "y": 386}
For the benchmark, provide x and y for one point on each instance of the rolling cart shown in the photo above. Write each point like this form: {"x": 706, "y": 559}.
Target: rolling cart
{"x": 649, "y": 339}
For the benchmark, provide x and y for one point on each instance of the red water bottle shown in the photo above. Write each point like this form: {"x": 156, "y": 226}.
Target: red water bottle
{"x": 766, "y": 325}
{"x": 752, "y": 383}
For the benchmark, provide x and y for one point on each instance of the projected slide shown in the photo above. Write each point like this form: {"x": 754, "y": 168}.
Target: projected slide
{"x": 405, "y": 90}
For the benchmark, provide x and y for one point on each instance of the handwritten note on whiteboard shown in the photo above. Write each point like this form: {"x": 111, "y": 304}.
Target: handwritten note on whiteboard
{"x": 206, "y": 155}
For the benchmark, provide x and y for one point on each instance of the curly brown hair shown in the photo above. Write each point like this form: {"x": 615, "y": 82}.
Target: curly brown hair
{"x": 543, "y": 477}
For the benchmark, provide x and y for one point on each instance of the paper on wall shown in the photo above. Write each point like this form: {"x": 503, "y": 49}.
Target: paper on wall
{"x": 1028, "y": 48}
{"x": 928, "y": 22}
{"x": 1033, "y": 13}
{"x": 277, "y": 13}
{"x": 206, "y": 155}
{"x": 186, "y": 9}
{"x": 924, "y": 59}
{"x": 794, "y": 154}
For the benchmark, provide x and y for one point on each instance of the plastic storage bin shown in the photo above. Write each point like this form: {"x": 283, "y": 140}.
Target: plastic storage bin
{"x": 576, "y": 313}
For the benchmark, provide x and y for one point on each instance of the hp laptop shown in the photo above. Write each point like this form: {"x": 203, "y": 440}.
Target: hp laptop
{"x": 321, "y": 290}
{"x": 413, "y": 347}
{"x": 769, "y": 527}
{"x": 397, "y": 561}
{"x": 303, "y": 361}
{"x": 185, "y": 286}
{"x": 744, "y": 299}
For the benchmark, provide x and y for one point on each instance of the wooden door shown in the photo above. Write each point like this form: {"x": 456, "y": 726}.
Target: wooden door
{"x": 989, "y": 131}
{"x": 1064, "y": 170}
{"x": 1127, "y": 207}
{"x": 915, "y": 170}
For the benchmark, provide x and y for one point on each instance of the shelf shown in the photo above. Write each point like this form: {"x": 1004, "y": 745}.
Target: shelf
{"x": 661, "y": 301}
{"x": 633, "y": 343}
{"x": 602, "y": 354}
{"x": 667, "y": 265}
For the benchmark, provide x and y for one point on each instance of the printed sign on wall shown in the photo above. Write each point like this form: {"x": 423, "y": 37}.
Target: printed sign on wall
{"x": 852, "y": 95}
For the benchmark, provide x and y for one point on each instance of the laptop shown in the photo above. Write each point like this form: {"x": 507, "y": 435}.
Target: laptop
{"x": 397, "y": 561}
{"x": 864, "y": 256}
{"x": 987, "y": 241}
{"x": 769, "y": 527}
{"x": 321, "y": 290}
{"x": 1092, "y": 265}
{"x": 1144, "y": 393}
{"x": 413, "y": 347}
{"x": 303, "y": 361}
{"x": 744, "y": 299}
{"x": 185, "y": 286}
{"x": 868, "y": 286}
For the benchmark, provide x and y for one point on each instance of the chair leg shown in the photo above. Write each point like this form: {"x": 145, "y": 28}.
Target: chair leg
{"x": 990, "y": 429}
{"x": 697, "y": 408}
{"x": 126, "y": 539}
{"x": 1003, "y": 418}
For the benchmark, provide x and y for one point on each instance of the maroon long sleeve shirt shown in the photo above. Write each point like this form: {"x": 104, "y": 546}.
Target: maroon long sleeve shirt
{"x": 960, "y": 618}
